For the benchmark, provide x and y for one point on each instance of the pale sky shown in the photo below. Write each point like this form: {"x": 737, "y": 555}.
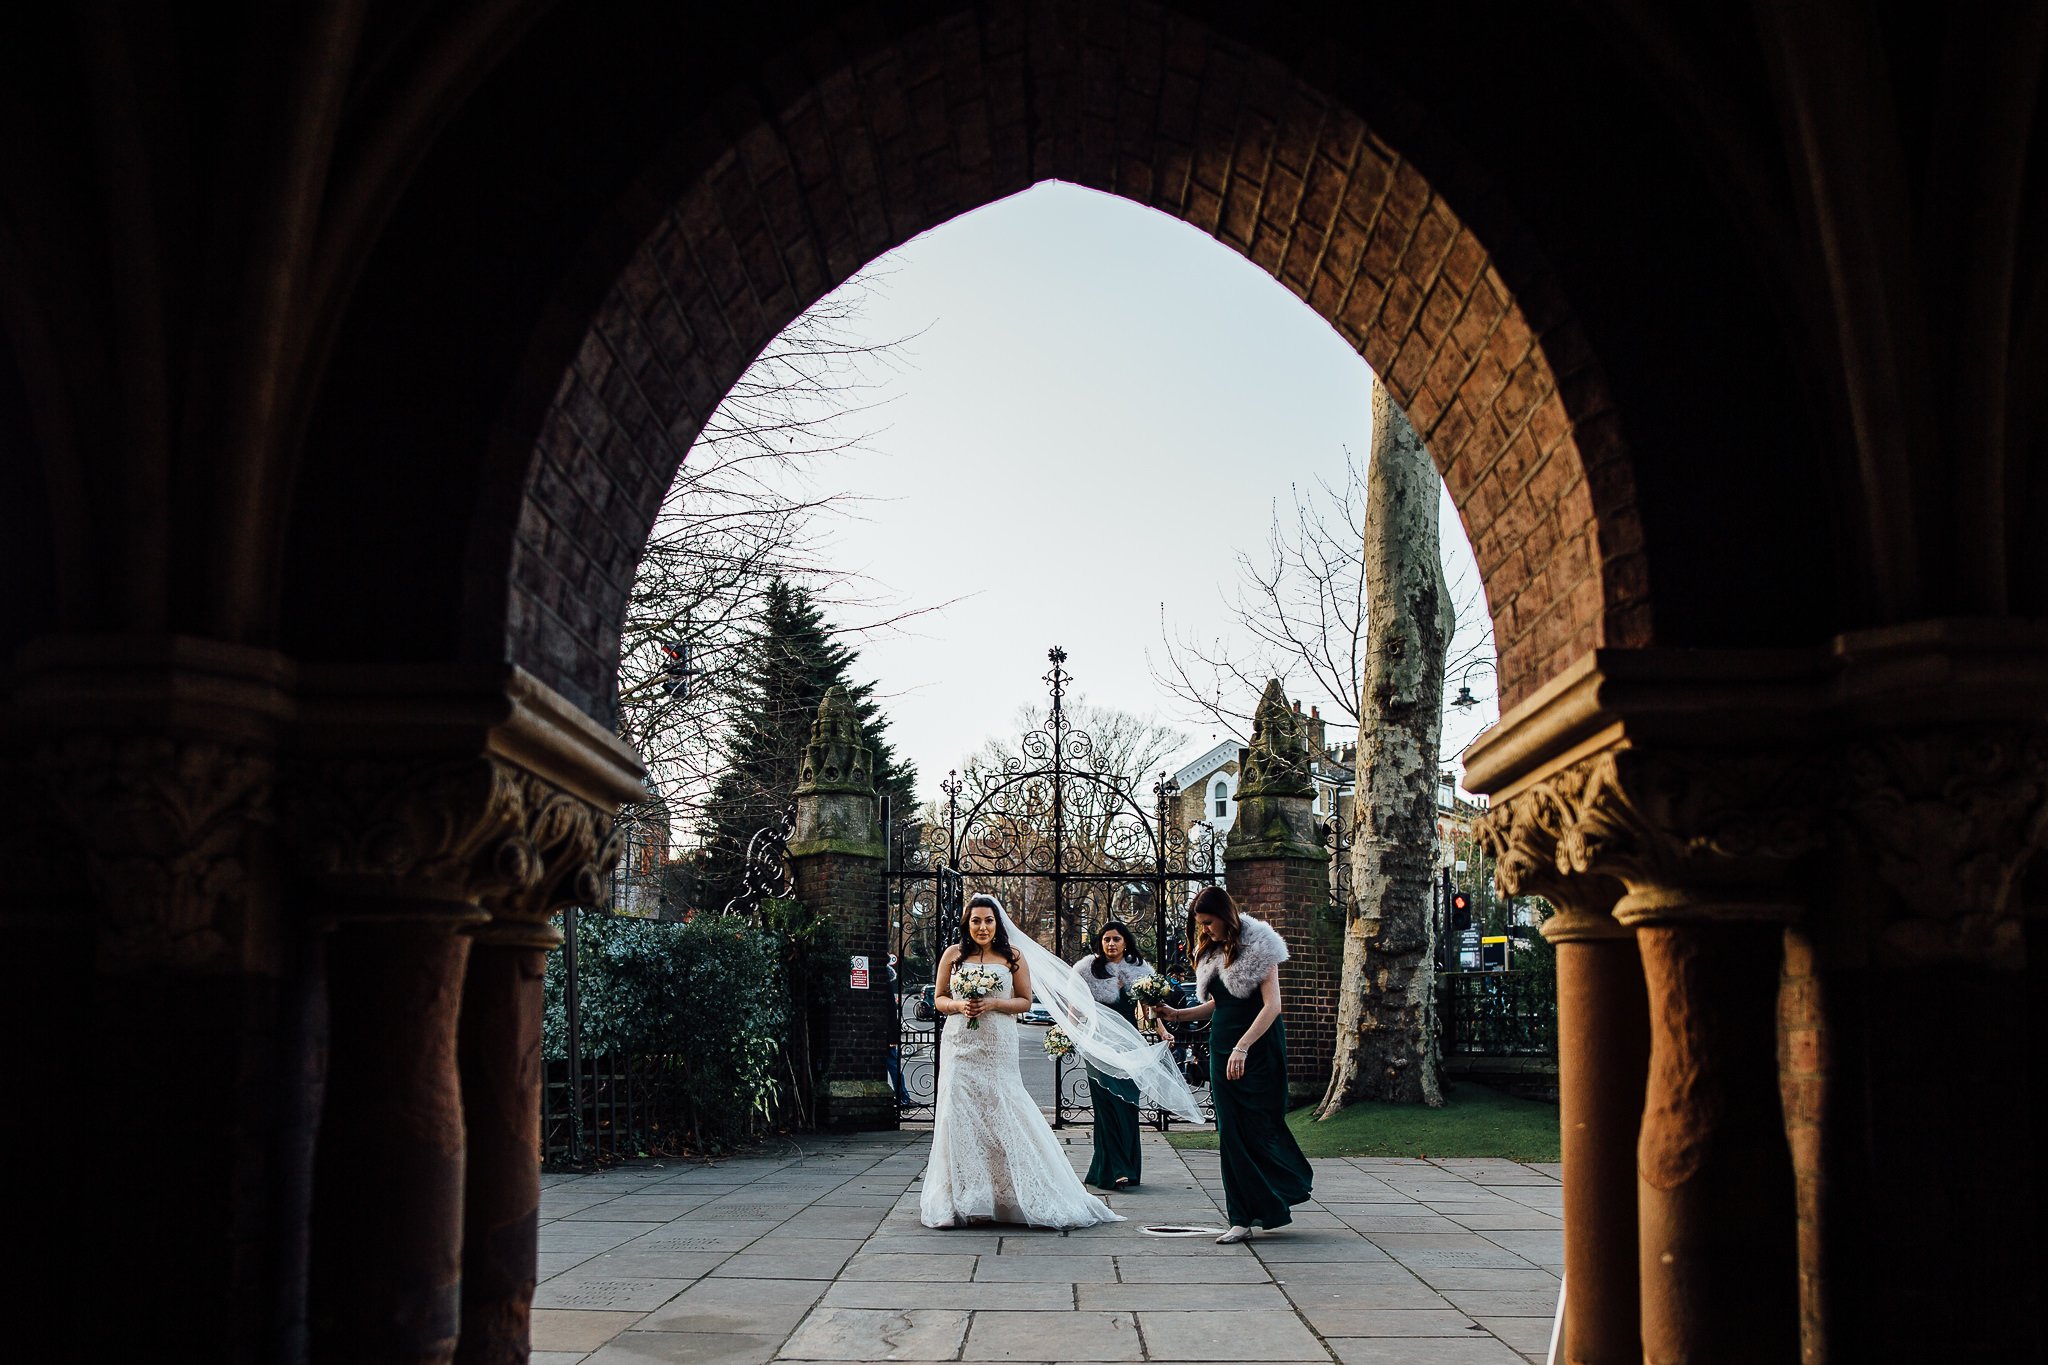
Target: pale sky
{"x": 1100, "y": 405}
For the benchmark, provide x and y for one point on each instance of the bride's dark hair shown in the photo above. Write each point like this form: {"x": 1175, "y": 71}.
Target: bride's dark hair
{"x": 1131, "y": 954}
{"x": 1001, "y": 942}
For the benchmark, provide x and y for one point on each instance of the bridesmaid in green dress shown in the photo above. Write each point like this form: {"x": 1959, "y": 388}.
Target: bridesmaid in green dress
{"x": 1108, "y": 972}
{"x": 1237, "y": 980}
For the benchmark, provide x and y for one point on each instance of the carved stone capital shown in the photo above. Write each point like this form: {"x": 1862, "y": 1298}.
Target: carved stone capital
{"x": 480, "y": 833}
{"x": 1948, "y": 818}
{"x": 1528, "y": 837}
{"x": 169, "y": 829}
{"x": 575, "y": 845}
{"x": 452, "y": 831}
{"x": 1690, "y": 835}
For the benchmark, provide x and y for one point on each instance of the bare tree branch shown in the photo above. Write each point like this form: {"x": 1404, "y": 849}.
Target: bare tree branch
{"x": 1298, "y": 613}
{"x": 751, "y": 503}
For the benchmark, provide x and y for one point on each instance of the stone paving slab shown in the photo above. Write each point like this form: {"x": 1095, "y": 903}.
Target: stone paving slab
{"x": 686, "y": 1348}
{"x": 814, "y": 1253}
{"x": 1133, "y": 1298}
{"x": 950, "y": 1294}
{"x": 1480, "y": 1350}
{"x": 1079, "y": 1334}
{"x": 577, "y": 1330}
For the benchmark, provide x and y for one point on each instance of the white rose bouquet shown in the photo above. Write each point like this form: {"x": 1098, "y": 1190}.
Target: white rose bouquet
{"x": 1057, "y": 1043}
{"x": 974, "y": 983}
{"x": 1150, "y": 991}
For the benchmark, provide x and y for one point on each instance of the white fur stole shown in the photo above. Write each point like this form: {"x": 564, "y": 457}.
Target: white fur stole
{"x": 1121, "y": 974}
{"x": 1259, "y": 950}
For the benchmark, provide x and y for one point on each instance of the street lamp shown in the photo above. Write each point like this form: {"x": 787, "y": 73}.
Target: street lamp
{"x": 1465, "y": 701}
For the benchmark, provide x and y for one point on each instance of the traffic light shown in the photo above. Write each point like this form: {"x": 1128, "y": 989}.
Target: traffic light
{"x": 675, "y": 669}
{"x": 1461, "y": 910}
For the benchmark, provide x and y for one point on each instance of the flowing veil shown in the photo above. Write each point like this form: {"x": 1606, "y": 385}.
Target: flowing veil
{"x": 1103, "y": 1037}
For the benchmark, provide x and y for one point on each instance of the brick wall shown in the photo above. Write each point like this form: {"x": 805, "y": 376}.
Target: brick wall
{"x": 861, "y": 1024}
{"x": 1291, "y": 894}
{"x": 847, "y": 159}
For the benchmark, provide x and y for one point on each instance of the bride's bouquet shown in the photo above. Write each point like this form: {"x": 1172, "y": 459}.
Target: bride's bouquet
{"x": 974, "y": 983}
{"x": 1149, "y": 991}
{"x": 1057, "y": 1043}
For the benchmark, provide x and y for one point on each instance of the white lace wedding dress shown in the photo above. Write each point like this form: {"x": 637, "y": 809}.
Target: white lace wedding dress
{"x": 993, "y": 1154}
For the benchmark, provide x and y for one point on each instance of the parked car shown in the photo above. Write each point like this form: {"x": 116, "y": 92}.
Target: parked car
{"x": 1037, "y": 1014}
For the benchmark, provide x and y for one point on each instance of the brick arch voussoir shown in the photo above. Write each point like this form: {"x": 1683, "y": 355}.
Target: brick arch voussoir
{"x": 1498, "y": 381}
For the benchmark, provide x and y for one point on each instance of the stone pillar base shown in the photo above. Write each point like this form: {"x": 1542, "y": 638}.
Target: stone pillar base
{"x": 857, "y": 1107}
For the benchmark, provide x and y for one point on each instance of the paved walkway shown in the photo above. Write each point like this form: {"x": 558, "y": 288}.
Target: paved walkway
{"x": 815, "y": 1253}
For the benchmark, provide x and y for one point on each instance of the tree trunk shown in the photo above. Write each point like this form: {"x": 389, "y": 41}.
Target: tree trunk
{"x": 1386, "y": 1020}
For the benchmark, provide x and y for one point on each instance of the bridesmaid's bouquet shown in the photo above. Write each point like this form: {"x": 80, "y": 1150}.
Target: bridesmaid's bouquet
{"x": 1152, "y": 990}
{"x": 974, "y": 983}
{"x": 1057, "y": 1043}
{"x": 1149, "y": 991}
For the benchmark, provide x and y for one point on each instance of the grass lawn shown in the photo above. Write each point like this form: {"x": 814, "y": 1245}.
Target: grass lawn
{"x": 1476, "y": 1120}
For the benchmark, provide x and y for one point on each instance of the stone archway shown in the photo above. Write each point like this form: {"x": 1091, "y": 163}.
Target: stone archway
{"x": 290, "y": 324}
{"x": 1159, "y": 110}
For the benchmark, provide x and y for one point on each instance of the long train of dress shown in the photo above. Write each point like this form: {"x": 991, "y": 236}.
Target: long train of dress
{"x": 993, "y": 1154}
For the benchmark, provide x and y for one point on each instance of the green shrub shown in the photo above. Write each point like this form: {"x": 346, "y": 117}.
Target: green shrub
{"x": 709, "y": 997}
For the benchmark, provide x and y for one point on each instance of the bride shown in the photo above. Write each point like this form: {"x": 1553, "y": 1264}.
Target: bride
{"x": 994, "y": 1157}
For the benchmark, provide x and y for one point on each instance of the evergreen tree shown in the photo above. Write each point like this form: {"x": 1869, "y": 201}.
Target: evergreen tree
{"x": 789, "y": 664}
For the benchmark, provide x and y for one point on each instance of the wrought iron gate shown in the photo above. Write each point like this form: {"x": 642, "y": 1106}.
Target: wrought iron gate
{"x": 1060, "y": 836}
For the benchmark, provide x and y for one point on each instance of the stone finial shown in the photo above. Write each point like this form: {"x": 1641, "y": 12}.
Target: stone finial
{"x": 1274, "y": 790}
{"x": 836, "y": 802}
{"x": 837, "y": 759}
{"x": 1278, "y": 763}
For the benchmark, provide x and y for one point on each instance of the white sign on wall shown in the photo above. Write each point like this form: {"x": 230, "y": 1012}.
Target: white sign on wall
{"x": 858, "y": 979}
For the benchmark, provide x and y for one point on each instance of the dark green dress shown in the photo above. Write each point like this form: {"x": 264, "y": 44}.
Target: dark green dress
{"x": 1263, "y": 1168}
{"x": 1116, "y": 1119}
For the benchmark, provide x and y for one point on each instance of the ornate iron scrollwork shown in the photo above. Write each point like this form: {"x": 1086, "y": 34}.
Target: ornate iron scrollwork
{"x": 1063, "y": 838}
{"x": 766, "y": 874}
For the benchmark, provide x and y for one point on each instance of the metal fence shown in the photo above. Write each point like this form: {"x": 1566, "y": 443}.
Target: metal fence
{"x": 599, "y": 1109}
{"x": 1497, "y": 1014}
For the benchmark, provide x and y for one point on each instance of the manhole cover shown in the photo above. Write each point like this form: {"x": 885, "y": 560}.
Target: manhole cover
{"x": 1179, "y": 1230}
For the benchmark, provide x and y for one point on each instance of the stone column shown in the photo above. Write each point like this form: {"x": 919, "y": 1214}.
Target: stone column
{"x": 499, "y": 1055}
{"x": 1717, "y": 1217}
{"x": 1603, "y": 1060}
{"x": 437, "y": 815}
{"x": 1277, "y": 870}
{"x": 1913, "y": 1067}
{"x": 400, "y": 855}
{"x": 1829, "y": 858}
{"x": 1603, "y": 1045}
{"x": 47, "y": 916}
{"x": 1703, "y": 843}
{"x": 144, "y": 907}
{"x": 837, "y": 858}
